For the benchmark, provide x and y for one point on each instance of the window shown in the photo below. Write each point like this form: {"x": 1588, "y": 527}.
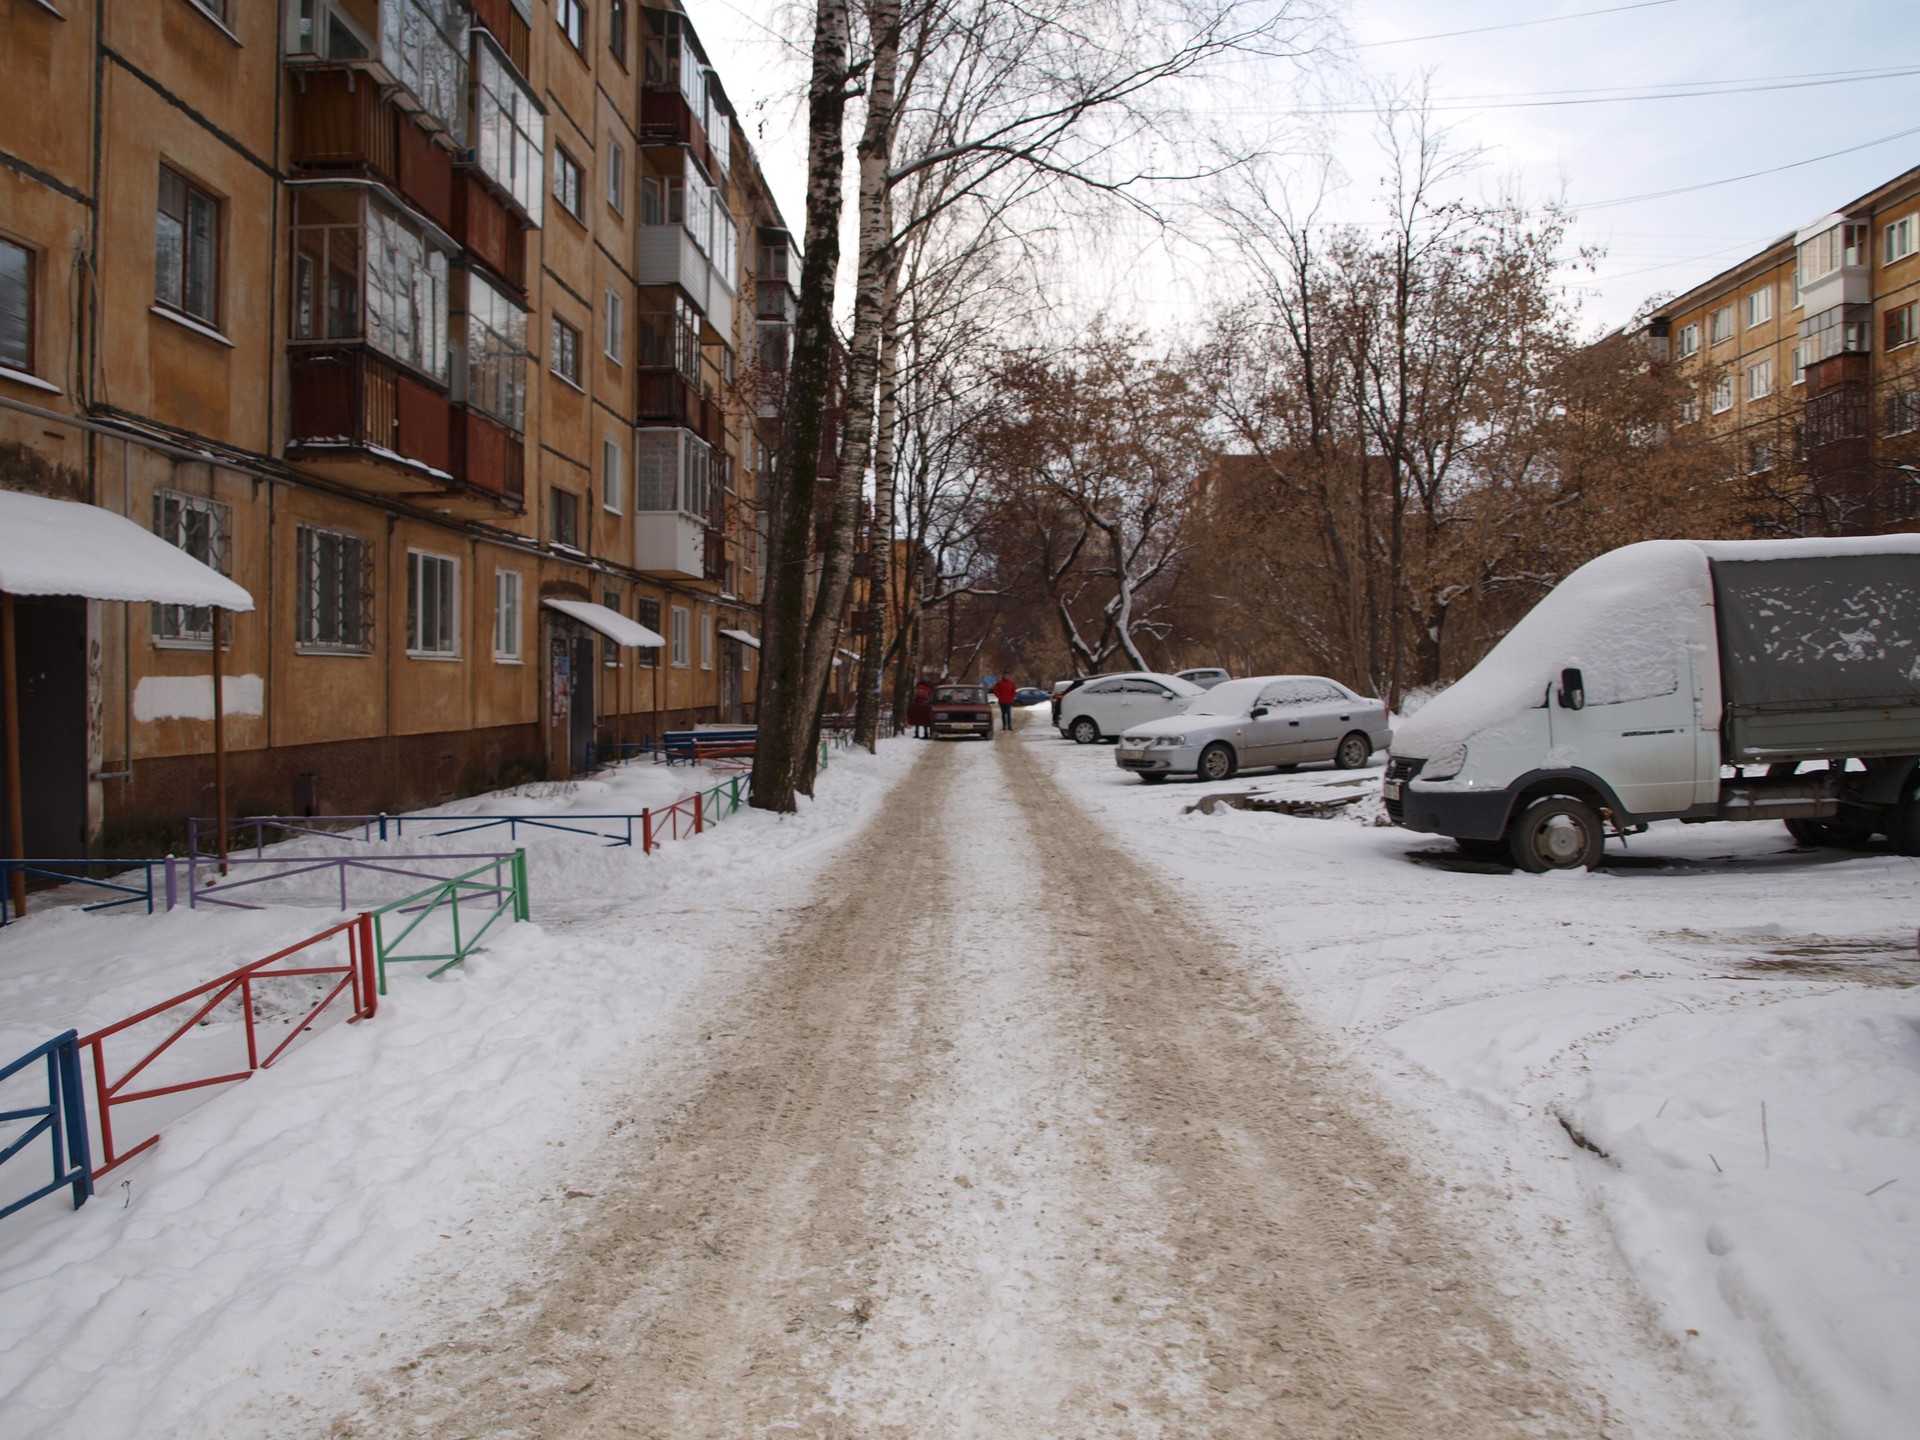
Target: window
{"x": 186, "y": 248}
{"x": 1759, "y": 307}
{"x": 1722, "y": 395}
{"x": 363, "y": 269}
{"x": 567, "y": 180}
{"x": 616, "y": 177}
{"x": 1900, "y": 325}
{"x": 1759, "y": 458}
{"x": 406, "y": 292}
{"x": 1897, "y": 240}
{"x": 617, "y": 30}
{"x": 1834, "y": 331}
{"x": 1831, "y": 250}
{"x": 425, "y": 43}
{"x": 566, "y": 518}
{"x": 653, "y": 200}
{"x": 1793, "y": 282}
{"x": 1760, "y": 380}
{"x": 1720, "y": 325}
{"x": 706, "y": 641}
{"x": 506, "y": 616}
{"x": 433, "y": 604}
{"x": 16, "y": 307}
{"x": 202, "y": 528}
{"x": 565, "y": 359}
{"x": 647, "y": 612}
{"x": 1799, "y": 366}
{"x": 674, "y": 472}
{"x": 496, "y": 354}
{"x": 571, "y": 16}
{"x": 1687, "y": 343}
{"x": 677, "y": 641}
{"x": 616, "y": 327}
{"x": 335, "y": 604}
{"x": 512, "y": 133}
{"x": 1902, "y": 412}
{"x": 216, "y": 8}
{"x": 612, "y": 479}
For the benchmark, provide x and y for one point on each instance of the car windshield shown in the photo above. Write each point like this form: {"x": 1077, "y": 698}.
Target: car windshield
{"x": 1229, "y": 697}
{"x": 959, "y": 695}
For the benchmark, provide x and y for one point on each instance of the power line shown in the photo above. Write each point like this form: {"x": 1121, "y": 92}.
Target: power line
{"x": 1454, "y": 102}
{"x": 1512, "y": 25}
{"x": 1750, "y": 175}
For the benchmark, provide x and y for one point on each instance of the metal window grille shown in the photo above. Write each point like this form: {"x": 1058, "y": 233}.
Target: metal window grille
{"x": 336, "y": 591}
{"x": 202, "y": 528}
{"x": 647, "y": 612}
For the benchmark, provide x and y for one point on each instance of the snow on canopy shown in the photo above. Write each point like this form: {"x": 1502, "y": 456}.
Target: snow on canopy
{"x": 62, "y": 547}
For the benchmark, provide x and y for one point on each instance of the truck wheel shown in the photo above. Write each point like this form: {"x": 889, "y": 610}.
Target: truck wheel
{"x": 1084, "y": 731}
{"x": 1903, "y": 825}
{"x": 1556, "y": 832}
{"x": 1355, "y": 750}
{"x": 1817, "y": 834}
{"x": 1481, "y": 849}
{"x": 1217, "y": 762}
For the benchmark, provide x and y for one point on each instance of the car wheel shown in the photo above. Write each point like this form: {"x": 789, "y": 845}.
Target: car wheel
{"x": 1217, "y": 762}
{"x": 1818, "y": 834}
{"x": 1355, "y": 750}
{"x": 1152, "y": 777}
{"x": 1556, "y": 832}
{"x": 1084, "y": 731}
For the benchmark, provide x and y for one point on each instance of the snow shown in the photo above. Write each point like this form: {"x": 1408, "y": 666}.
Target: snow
{"x": 1653, "y": 1009}
{"x": 1686, "y": 1086}
{"x": 190, "y": 697}
{"x": 60, "y": 547}
{"x": 609, "y": 622}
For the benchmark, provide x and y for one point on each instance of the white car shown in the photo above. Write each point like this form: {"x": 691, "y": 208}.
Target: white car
{"x": 1281, "y": 720}
{"x": 1105, "y": 705}
{"x": 1206, "y": 677}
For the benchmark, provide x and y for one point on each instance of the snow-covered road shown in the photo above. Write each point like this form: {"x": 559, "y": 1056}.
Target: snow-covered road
{"x": 1000, "y": 1142}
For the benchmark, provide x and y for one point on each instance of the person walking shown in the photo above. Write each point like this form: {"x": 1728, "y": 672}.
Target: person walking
{"x": 1003, "y": 692}
{"x": 920, "y": 711}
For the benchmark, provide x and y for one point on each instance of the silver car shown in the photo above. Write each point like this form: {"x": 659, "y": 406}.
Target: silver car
{"x": 1282, "y": 720}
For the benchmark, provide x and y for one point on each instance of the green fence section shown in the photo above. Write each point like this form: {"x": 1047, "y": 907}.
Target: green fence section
{"x": 484, "y": 902}
{"x": 723, "y": 799}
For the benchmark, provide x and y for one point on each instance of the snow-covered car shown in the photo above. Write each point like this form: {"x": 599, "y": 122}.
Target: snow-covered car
{"x": 1104, "y": 705}
{"x": 1206, "y": 677}
{"x": 1282, "y": 720}
{"x": 962, "y": 710}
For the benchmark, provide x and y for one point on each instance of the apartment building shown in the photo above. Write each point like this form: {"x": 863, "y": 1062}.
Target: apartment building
{"x": 1803, "y": 355}
{"x": 432, "y": 325}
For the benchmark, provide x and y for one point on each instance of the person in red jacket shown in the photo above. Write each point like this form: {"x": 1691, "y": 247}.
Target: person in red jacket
{"x": 1003, "y": 692}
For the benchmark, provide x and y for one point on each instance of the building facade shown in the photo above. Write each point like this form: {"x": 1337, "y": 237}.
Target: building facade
{"x": 410, "y": 317}
{"x": 1804, "y": 357}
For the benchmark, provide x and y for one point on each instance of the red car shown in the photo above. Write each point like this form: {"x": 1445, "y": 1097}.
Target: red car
{"x": 962, "y": 710}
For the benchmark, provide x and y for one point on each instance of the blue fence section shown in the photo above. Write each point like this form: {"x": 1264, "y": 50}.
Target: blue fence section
{"x": 63, "y": 1120}
{"x": 130, "y": 890}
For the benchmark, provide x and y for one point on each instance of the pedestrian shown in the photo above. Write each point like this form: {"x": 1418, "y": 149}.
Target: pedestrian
{"x": 1003, "y": 692}
{"x": 920, "y": 711}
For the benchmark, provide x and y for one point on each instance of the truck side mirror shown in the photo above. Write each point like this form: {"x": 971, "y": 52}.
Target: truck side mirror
{"x": 1573, "y": 690}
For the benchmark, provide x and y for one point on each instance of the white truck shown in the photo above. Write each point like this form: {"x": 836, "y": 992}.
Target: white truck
{"x": 1683, "y": 680}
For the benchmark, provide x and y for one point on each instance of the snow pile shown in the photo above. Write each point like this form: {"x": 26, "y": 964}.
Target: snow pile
{"x": 284, "y": 1205}
{"x": 1586, "y": 1056}
{"x": 60, "y": 547}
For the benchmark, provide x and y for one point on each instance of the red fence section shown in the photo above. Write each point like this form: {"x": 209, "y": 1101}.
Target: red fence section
{"x": 355, "y": 984}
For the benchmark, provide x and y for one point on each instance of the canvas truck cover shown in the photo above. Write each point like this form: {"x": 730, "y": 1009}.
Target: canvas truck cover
{"x": 1819, "y": 654}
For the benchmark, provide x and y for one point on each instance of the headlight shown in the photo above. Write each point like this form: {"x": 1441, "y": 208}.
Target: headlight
{"x": 1446, "y": 764}
{"x": 1167, "y": 740}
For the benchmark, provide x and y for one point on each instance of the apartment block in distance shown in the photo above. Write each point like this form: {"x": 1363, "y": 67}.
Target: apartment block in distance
{"x": 1804, "y": 356}
{"x": 438, "y": 327}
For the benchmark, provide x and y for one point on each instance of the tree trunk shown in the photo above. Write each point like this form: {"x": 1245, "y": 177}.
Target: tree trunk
{"x": 873, "y": 662}
{"x": 783, "y": 696}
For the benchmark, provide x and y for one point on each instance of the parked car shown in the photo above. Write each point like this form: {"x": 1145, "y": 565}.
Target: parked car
{"x": 1030, "y": 695}
{"x": 1206, "y": 677}
{"x": 1102, "y": 706}
{"x": 962, "y": 710}
{"x": 1269, "y": 720}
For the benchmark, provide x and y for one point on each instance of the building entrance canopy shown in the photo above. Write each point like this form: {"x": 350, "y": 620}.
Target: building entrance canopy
{"x": 61, "y": 547}
{"x": 610, "y": 623}
{"x": 743, "y": 637}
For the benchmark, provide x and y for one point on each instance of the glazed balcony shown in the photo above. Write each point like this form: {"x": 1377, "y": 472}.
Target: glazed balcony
{"x": 665, "y": 397}
{"x": 417, "y": 48}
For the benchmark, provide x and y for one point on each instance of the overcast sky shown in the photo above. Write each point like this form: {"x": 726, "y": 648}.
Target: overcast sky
{"x": 1778, "y": 53}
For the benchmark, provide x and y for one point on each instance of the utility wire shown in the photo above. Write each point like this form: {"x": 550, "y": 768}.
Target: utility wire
{"x": 1750, "y": 175}
{"x": 1512, "y": 25}
{"x": 1445, "y": 102}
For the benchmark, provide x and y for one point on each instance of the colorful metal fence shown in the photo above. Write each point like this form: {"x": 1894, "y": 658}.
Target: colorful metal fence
{"x": 195, "y": 1033}
{"x": 206, "y": 885}
{"x": 122, "y": 883}
{"x": 486, "y": 901}
{"x": 62, "y": 1120}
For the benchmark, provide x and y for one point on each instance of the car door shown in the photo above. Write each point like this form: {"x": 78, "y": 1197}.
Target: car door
{"x": 1153, "y": 701}
{"x": 1273, "y": 738}
{"x": 1099, "y": 701}
{"x": 1324, "y": 713}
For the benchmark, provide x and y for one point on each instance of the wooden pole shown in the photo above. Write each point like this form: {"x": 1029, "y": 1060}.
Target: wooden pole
{"x": 219, "y": 746}
{"x": 16, "y": 814}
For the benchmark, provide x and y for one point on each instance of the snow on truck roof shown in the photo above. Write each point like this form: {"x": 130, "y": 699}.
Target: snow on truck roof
{"x": 1621, "y": 619}
{"x": 62, "y": 547}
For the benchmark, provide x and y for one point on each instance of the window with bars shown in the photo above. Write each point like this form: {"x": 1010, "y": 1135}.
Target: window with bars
{"x": 507, "y": 590}
{"x": 433, "y": 605}
{"x": 202, "y": 528}
{"x": 610, "y": 652}
{"x": 647, "y": 612}
{"x": 335, "y": 603}
{"x": 186, "y": 248}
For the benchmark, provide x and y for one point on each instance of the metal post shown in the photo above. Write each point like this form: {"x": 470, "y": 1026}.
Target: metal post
{"x": 646, "y": 832}
{"x": 16, "y": 815}
{"x": 219, "y": 746}
{"x": 173, "y": 882}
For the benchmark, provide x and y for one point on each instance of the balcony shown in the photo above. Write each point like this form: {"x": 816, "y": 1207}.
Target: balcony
{"x": 666, "y": 118}
{"x": 418, "y": 48}
{"x": 666, "y": 255}
{"x": 490, "y": 461}
{"x": 344, "y": 124}
{"x": 503, "y": 20}
{"x": 358, "y": 418}
{"x": 487, "y": 228}
{"x": 668, "y": 543}
{"x": 665, "y": 397}
{"x": 774, "y": 301}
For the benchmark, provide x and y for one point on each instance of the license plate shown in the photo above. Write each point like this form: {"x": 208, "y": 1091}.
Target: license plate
{"x": 1390, "y": 789}
{"x": 1133, "y": 754}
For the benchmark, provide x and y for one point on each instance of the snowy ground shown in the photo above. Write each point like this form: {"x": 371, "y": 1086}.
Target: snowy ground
{"x": 389, "y": 1178}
